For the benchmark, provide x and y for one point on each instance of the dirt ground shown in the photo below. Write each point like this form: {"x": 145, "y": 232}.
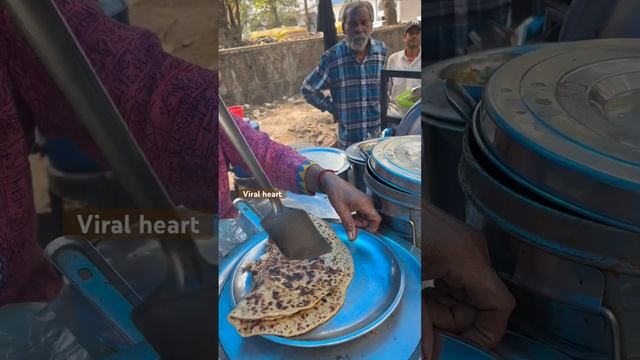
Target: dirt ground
{"x": 294, "y": 122}
{"x": 187, "y": 28}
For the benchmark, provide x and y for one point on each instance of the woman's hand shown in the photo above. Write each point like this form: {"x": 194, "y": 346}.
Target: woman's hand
{"x": 345, "y": 199}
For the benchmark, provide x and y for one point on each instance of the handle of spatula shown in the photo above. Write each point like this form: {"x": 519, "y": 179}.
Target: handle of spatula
{"x": 240, "y": 144}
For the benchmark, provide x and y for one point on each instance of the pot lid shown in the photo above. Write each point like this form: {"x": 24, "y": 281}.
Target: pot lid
{"x": 471, "y": 71}
{"x": 564, "y": 121}
{"x": 327, "y": 158}
{"x": 397, "y": 160}
{"x": 355, "y": 151}
{"x": 410, "y": 123}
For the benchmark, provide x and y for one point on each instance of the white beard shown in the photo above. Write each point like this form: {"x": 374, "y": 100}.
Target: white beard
{"x": 357, "y": 43}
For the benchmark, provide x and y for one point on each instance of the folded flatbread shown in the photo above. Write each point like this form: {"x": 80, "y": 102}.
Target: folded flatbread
{"x": 292, "y": 297}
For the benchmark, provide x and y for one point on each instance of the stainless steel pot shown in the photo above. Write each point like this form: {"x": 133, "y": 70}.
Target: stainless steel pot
{"x": 358, "y": 159}
{"x": 569, "y": 281}
{"x": 396, "y": 162}
{"x": 443, "y": 127}
{"x": 356, "y": 175}
{"x": 400, "y": 211}
{"x": 551, "y": 170}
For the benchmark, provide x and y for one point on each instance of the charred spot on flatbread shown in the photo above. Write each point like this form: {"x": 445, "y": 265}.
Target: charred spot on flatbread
{"x": 295, "y": 295}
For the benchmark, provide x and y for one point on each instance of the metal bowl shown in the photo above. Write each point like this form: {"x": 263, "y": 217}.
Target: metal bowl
{"x": 329, "y": 158}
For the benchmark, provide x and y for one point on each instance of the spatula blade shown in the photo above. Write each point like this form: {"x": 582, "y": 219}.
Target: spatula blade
{"x": 295, "y": 234}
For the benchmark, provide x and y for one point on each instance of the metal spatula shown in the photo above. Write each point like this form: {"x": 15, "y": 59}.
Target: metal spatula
{"x": 291, "y": 229}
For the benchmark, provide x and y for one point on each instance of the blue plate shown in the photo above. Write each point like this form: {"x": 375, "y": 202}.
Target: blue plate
{"x": 396, "y": 335}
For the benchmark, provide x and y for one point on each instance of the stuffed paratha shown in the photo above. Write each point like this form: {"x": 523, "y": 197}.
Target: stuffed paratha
{"x": 309, "y": 292}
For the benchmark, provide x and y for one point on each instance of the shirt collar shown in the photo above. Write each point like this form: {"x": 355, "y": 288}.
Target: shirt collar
{"x": 404, "y": 56}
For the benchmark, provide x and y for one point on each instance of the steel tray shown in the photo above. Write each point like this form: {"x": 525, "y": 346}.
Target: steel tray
{"x": 397, "y": 331}
{"x": 366, "y": 306}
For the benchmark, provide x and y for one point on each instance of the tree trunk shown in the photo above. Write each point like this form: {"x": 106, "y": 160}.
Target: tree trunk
{"x": 306, "y": 16}
{"x": 390, "y": 15}
{"x": 274, "y": 11}
{"x": 230, "y": 25}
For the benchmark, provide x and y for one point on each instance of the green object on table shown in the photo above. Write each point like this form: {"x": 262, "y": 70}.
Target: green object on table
{"x": 406, "y": 99}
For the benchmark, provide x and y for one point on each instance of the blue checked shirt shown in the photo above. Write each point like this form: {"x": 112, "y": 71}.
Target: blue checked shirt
{"x": 446, "y": 25}
{"x": 354, "y": 87}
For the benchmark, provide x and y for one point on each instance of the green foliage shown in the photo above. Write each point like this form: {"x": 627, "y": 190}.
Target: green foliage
{"x": 266, "y": 14}
{"x": 244, "y": 16}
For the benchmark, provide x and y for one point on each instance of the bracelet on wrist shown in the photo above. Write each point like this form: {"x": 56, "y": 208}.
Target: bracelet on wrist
{"x": 319, "y": 181}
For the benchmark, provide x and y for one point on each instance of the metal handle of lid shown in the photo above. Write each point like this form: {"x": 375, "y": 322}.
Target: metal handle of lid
{"x": 459, "y": 99}
{"x": 611, "y": 318}
{"x": 608, "y": 315}
{"x": 414, "y": 233}
{"x": 240, "y": 144}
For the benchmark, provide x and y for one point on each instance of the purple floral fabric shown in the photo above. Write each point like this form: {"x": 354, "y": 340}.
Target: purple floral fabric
{"x": 170, "y": 107}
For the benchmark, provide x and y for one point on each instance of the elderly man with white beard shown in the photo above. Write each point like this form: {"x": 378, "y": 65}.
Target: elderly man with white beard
{"x": 350, "y": 70}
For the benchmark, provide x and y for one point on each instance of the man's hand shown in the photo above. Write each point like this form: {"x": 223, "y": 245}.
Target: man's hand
{"x": 468, "y": 299}
{"x": 427, "y": 333}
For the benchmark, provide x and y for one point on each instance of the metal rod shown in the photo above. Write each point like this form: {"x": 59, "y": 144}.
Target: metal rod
{"x": 610, "y": 317}
{"x": 240, "y": 144}
{"x": 385, "y": 75}
{"x": 46, "y": 31}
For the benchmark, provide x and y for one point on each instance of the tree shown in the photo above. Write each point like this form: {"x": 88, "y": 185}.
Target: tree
{"x": 306, "y": 16}
{"x": 274, "y": 11}
{"x": 230, "y": 23}
{"x": 235, "y": 16}
{"x": 270, "y": 12}
{"x": 390, "y": 15}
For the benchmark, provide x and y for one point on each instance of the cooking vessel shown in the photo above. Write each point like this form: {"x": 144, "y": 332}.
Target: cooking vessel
{"x": 400, "y": 211}
{"x": 358, "y": 159}
{"x": 410, "y": 123}
{"x": 442, "y": 125}
{"x": 563, "y": 269}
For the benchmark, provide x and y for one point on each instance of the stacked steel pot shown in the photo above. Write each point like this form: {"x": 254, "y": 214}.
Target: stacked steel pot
{"x": 442, "y": 126}
{"x": 550, "y": 168}
{"x": 393, "y": 178}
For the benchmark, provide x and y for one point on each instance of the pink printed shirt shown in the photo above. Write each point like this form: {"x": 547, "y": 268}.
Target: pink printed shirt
{"x": 170, "y": 108}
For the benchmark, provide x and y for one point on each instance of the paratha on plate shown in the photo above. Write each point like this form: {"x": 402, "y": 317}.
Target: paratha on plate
{"x": 292, "y": 297}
